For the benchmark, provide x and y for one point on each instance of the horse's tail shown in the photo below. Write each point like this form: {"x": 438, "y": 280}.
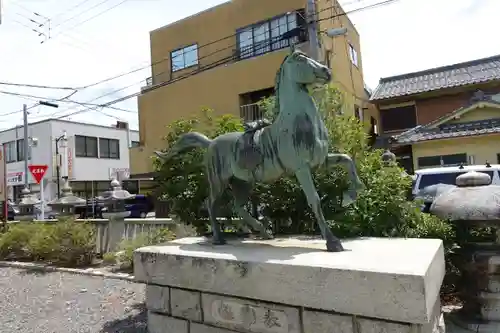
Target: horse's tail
{"x": 186, "y": 141}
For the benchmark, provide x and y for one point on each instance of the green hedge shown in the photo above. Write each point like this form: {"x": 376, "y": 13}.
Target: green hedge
{"x": 65, "y": 242}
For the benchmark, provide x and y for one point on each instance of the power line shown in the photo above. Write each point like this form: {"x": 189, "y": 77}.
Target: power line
{"x": 33, "y": 97}
{"x": 206, "y": 67}
{"x": 95, "y": 16}
{"x": 167, "y": 58}
{"x": 69, "y": 10}
{"x": 81, "y": 13}
{"x": 209, "y": 66}
{"x": 35, "y": 86}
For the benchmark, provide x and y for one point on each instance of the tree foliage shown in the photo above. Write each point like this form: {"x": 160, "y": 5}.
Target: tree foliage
{"x": 381, "y": 210}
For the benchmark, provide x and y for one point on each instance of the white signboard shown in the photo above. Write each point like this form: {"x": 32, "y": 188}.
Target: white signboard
{"x": 15, "y": 178}
{"x": 119, "y": 173}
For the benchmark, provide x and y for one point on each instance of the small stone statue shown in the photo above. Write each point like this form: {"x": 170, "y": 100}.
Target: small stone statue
{"x": 295, "y": 142}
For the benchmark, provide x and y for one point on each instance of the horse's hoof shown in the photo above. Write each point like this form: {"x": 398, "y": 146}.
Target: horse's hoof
{"x": 266, "y": 236}
{"x": 219, "y": 242}
{"x": 334, "y": 246}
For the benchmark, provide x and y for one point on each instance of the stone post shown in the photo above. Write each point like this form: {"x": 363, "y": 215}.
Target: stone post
{"x": 114, "y": 202}
{"x": 27, "y": 206}
{"x": 65, "y": 205}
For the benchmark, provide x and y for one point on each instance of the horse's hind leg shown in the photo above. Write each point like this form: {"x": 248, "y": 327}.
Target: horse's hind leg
{"x": 241, "y": 191}
{"x": 216, "y": 188}
{"x": 355, "y": 183}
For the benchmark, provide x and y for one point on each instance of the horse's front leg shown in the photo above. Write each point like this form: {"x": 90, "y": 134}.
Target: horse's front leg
{"x": 305, "y": 179}
{"x": 355, "y": 184}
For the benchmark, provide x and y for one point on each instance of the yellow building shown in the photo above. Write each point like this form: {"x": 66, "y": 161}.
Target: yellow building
{"x": 226, "y": 58}
{"x": 469, "y": 135}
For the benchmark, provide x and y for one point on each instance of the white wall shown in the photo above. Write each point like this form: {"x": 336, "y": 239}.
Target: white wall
{"x": 82, "y": 168}
{"x": 86, "y": 168}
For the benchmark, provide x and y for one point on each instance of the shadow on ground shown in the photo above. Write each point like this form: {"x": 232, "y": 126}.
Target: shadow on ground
{"x": 136, "y": 323}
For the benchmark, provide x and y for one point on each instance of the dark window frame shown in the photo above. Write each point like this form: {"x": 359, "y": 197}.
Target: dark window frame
{"x": 448, "y": 178}
{"x": 20, "y": 150}
{"x": 442, "y": 160}
{"x": 357, "y": 112}
{"x": 10, "y": 151}
{"x": 395, "y": 118}
{"x": 107, "y": 153}
{"x": 353, "y": 55}
{"x": 183, "y": 56}
{"x": 86, "y": 141}
{"x": 271, "y": 44}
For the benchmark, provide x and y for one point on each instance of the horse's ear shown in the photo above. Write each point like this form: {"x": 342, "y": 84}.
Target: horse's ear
{"x": 292, "y": 48}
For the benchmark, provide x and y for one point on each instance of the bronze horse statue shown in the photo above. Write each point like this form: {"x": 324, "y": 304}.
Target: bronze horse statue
{"x": 295, "y": 142}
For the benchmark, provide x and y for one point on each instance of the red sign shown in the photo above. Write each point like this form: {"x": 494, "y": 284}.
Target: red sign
{"x": 38, "y": 171}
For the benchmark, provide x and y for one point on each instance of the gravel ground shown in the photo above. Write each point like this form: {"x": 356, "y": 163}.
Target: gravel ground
{"x": 37, "y": 302}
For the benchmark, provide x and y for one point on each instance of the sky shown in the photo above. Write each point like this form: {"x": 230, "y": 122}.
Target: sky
{"x": 93, "y": 40}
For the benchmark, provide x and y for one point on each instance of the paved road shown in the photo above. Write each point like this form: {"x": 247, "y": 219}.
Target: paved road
{"x": 35, "y": 302}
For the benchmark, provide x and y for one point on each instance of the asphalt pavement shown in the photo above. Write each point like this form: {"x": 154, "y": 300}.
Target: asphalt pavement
{"x": 37, "y": 302}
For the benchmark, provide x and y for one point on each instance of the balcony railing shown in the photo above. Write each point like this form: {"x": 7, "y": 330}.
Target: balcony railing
{"x": 251, "y": 112}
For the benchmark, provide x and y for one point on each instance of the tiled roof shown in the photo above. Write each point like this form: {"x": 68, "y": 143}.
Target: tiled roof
{"x": 447, "y": 131}
{"x": 466, "y": 73}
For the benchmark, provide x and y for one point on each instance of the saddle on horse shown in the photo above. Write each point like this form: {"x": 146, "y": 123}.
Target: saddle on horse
{"x": 250, "y": 155}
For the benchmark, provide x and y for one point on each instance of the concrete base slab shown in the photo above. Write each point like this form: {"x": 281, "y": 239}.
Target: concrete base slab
{"x": 282, "y": 285}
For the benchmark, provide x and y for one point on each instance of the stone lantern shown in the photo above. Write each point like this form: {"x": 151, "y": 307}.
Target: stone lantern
{"x": 114, "y": 206}
{"x": 388, "y": 157}
{"x": 474, "y": 203}
{"x": 65, "y": 205}
{"x": 27, "y": 206}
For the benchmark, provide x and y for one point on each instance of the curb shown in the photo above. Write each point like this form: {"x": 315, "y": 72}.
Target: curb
{"x": 86, "y": 271}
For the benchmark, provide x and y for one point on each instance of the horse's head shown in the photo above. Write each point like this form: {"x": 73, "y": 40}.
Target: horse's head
{"x": 305, "y": 70}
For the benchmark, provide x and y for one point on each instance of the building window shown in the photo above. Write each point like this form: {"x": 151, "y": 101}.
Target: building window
{"x": 10, "y": 152}
{"x": 353, "y": 55}
{"x": 266, "y": 36}
{"x": 134, "y": 144}
{"x": 374, "y": 126}
{"x": 399, "y": 118}
{"x": 20, "y": 150}
{"x": 357, "y": 112}
{"x": 442, "y": 160}
{"x": 328, "y": 59}
{"x": 184, "y": 58}
{"x": 109, "y": 148}
{"x": 85, "y": 146}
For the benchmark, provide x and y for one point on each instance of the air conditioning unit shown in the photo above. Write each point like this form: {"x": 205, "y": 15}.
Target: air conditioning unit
{"x": 121, "y": 125}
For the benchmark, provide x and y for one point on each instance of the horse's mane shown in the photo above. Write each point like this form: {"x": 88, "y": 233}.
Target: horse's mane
{"x": 277, "y": 82}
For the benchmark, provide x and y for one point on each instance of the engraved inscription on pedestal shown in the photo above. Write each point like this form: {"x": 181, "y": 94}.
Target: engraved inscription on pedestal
{"x": 251, "y": 316}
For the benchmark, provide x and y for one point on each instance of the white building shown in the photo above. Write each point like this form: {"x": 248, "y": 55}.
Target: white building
{"x": 90, "y": 157}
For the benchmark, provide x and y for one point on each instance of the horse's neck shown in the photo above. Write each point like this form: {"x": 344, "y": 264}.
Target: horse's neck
{"x": 294, "y": 101}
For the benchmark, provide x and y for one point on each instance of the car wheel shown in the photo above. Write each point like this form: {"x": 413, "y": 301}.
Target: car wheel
{"x": 143, "y": 215}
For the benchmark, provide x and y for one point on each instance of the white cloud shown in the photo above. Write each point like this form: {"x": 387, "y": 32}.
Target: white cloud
{"x": 406, "y": 36}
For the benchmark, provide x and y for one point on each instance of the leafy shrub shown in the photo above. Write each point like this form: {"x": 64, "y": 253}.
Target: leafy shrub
{"x": 66, "y": 242}
{"x": 13, "y": 242}
{"x": 125, "y": 253}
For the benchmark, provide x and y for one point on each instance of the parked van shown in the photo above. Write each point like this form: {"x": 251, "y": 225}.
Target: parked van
{"x": 448, "y": 175}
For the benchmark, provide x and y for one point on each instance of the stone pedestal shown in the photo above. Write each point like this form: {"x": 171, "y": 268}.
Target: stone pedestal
{"x": 116, "y": 229}
{"x": 292, "y": 285}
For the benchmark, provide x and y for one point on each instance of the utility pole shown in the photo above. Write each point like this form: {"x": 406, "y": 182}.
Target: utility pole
{"x": 312, "y": 29}
{"x": 26, "y": 146}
